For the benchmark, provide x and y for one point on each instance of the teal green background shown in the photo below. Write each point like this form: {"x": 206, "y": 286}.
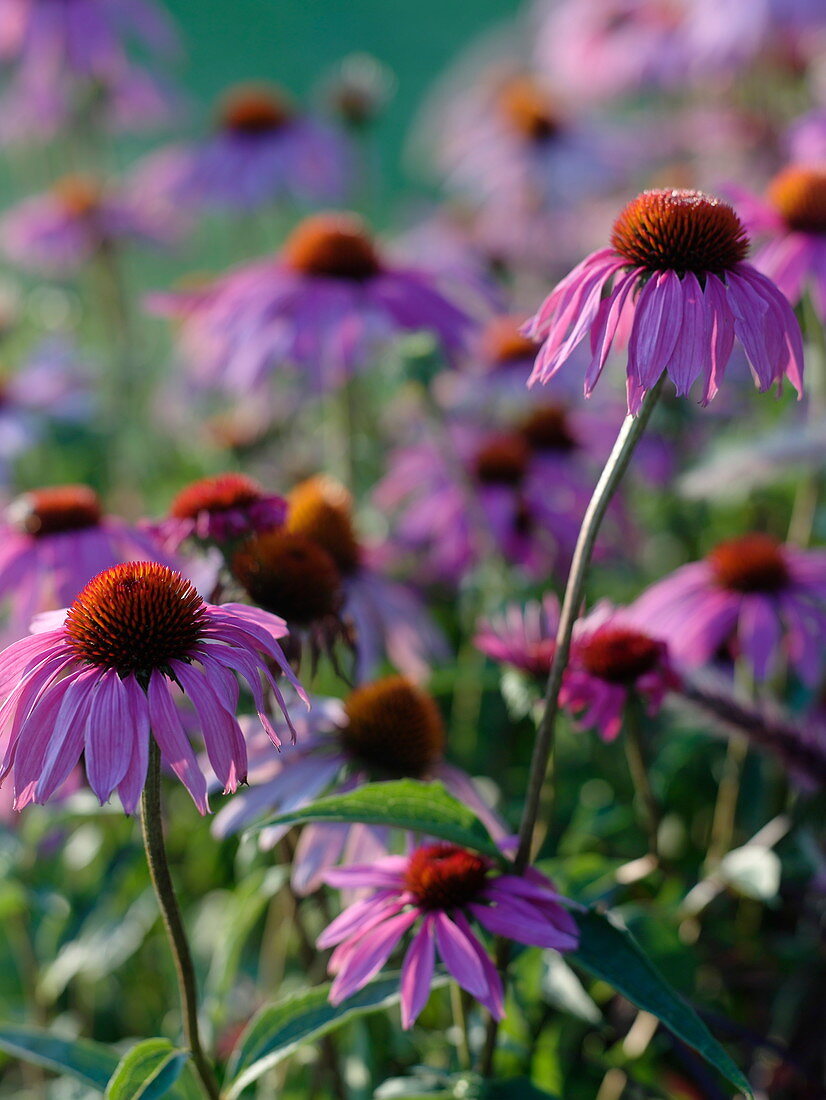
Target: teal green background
{"x": 297, "y": 42}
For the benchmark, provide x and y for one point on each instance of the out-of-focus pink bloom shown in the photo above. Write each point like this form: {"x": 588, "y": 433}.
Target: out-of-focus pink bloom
{"x": 388, "y": 729}
{"x": 614, "y": 658}
{"x": 52, "y": 542}
{"x": 325, "y": 305}
{"x": 806, "y": 138}
{"x": 762, "y": 600}
{"x": 793, "y": 218}
{"x": 219, "y": 511}
{"x": 673, "y": 286}
{"x": 83, "y": 37}
{"x": 99, "y": 675}
{"x": 443, "y": 887}
{"x": 523, "y": 637}
{"x": 263, "y": 150}
{"x": 389, "y": 619}
{"x": 530, "y": 488}
{"x": 64, "y": 228}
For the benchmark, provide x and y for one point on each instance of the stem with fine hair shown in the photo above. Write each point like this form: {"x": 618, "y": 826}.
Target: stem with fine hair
{"x": 629, "y": 435}
{"x": 153, "y": 841}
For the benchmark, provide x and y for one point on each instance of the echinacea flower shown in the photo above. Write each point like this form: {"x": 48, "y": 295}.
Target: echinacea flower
{"x": 387, "y": 729}
{"x": 762, "y": 599}
{"x": 614, "y": 658}
{"x": 263, "y": 149}
{"x": 793, "y": 219}
{"x": 218, "y": 511}
{"x": 324, "y": 306}
{"x": 105, "y": 671}
{"x": 675, "y": 286}
{"x": 389, "y": 619}
{"x": 442, "y": 887}
{"x": 62, "y": 229}
{"x": 295, "y": 578}
{"x": 523, "y": 637}
{"x": 531, "y": 489}
{"x": 53, "y": 541}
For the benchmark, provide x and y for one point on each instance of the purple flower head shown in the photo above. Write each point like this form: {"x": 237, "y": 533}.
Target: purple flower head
{"x": 530, "y": 482}
{"x": 613, "y": 659}
{"x": 219, "y": 511}
{"x": 263, "y": 149}
{"x": 324, "y": 306}
{"x": 753, "y": 596}
{"x": 389, "y": 618}
{"x": 86, "y": 38}
{"x": 793, "y": 217}
{"x": 522, "y": 637}
{"x": 387, "y": 729}
{"x": 53, "y": 542}
{"x": 442, "y": 887}
{"x": 99, "y": 675}
{"x": 674, "y": 287}
{"x": 64, "y": 228}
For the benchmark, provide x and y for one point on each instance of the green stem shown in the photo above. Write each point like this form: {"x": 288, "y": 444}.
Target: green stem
{"x": 728, "y": 793}
{"x": 629, "y": 435}
{"x": 635, "y": 753}
{"x": 156, "y": 858}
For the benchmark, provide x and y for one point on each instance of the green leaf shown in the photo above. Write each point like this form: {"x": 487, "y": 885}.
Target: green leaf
{"x": 91, "y": 1063}
{"x": 406, "y": 803}
{"x": 611, "y": 953}
{"x": 147, "y": 1071}
{"x": 279, "y": 1029}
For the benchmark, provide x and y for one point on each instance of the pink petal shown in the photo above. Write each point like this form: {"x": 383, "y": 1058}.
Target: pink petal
{"x": 417, "y": 972}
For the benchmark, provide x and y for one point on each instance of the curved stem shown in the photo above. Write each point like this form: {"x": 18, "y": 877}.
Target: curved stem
{"x": 629, "y": 435}
{"x": 152, "y": 828}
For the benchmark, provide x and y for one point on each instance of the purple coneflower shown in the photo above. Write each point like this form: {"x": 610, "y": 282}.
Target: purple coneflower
{"x": 442, "y": 886}
{"x": 324, "y": 305}
{"x": 263, "y": 149}
{"x": 522, "y": 637}
{"x": 389, "y": 618}
{"x": 107, "y": 669}
{"x": 219, "y": 510}
{"x": 53, "y": 542}
{"x": 530, "y": 485}
{"x": 793, "y": 216}
{"x": 388, "y": 729}
{"x": 614, "y": 658}
{"x": 674, "y": 284}
{"x": 62, "y": 229}
{"x": 753, "y": 595}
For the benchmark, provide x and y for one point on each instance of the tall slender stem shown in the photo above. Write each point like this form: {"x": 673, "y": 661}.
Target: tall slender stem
{"x": 629, "y": 435}
{"x": 638, "y": 766}
{"x": 152, "y": 827}
{"x": 728, "y": 793}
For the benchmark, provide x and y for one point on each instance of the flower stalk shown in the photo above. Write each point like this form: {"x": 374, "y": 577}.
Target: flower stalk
{"x": 156, "y": 858}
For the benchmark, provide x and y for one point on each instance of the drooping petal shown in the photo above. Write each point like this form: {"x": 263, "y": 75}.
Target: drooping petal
{"x": 368, "y": 957}
{"x": 168, "y": 730}
{"x": 417, "y": 972}
{"x": 133, "y": 782}
{"x": 458, "y": 956}
{"x": 108, "y": 739}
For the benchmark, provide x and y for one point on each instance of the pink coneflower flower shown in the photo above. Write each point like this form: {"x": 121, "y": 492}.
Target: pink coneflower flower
{"x": 614, "y": 658}
{"x": 263, "y": 149}
{"x": 793, "y": 216}
{"x": 110, "y": 667}
{"x": 806, "y": 138}
{"x": 442, "y": 886}
{"x": 675, "y": 286}
{"x": 531, "y": 488}
{"x": 389, "y": 618}
{"x": 218, "y": 511}
{"x": 758, "y": 598}
{"x": 523, "y": 637}
{"x": 64, "y": 228}
{"x": 325, "y": 305}
{"x": 387, "y": 729}
{"x": 53, "y": 541}
{"x": 83, "y": 37}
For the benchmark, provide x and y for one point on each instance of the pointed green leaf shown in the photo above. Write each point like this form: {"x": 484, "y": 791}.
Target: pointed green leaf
{"x": 426, "y": 808}
{"x": 91, "y": 1063}
{"x": 279, "y": 1029}
{"x": 611, "y": 953}
{"x": 147, "y": 1071}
